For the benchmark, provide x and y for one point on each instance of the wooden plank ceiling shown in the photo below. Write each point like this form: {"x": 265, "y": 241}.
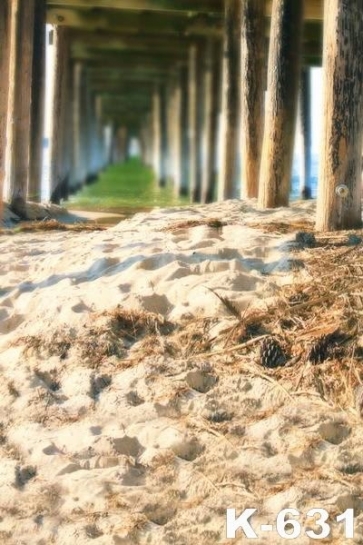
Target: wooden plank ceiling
{"x": 128, "y": 46}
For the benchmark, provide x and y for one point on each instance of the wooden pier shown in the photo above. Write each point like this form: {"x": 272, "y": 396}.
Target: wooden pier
{"x": 204, "y": 85}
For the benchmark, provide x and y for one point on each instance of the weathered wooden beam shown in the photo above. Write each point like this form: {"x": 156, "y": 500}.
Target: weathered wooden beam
{"x": 121, "y": 89}
{"x": 252, "y": 93}
{"x": 136, "y": 22}
{"x": 305, "y": 133}
{"x": 37, "y": 103}
{"x": 104, "y": 40}
{"x": 314, "y": 8}
{"x": 59, "y": 76}
{"x": 19, "y": 105}
{"x": 281, "y": 103}
{"x": 209, "y": 6}
{"x": 230, "y": 99}
{"x": 4, "y": 87}
{"x": 339, "y": 191}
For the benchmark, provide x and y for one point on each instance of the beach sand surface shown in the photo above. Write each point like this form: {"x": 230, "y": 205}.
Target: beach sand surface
{"x": 117, "y": 428}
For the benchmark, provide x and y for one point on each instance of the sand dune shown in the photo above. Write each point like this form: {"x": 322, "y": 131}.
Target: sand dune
{"x": 114, "y": 429}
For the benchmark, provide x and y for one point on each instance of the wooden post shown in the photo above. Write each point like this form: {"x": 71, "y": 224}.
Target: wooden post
{"x": 183, "y": 130}
{"x": 19, "y": 103}
{"x": 209, "y": 122}
{"x": 88, "y": 131}
{"x": 156, "y": 133}
{"x": 164, "y": 136}
{"x": 68, "y": 133}
{"x": 252, "y": 93}
{"x": 148, "y": 140}
{"x": 100, "y": 132}
{"x": 37, "y": 103}
{"x": 78, "y": 132}
{"x": 194, "y": 96}
{"x": 4, "y": 87}
{"x": 281, "y": 102}
{"x": 175, "y": 133}
{"x": 122, "y": 138}
{"x": 341, "y": 147}
{"x": 305, "y": 134}
{"x": 58, "y": 172}
{"x": 230, "y": 99}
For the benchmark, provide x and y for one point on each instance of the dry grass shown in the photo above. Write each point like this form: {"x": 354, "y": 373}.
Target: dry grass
{"x": 213, "y": 223}
{"x": 317, "y": 320}
{"x": 51, "y": 225}
{"x": 282, "y": 227}
{"x": 108, "y": 334}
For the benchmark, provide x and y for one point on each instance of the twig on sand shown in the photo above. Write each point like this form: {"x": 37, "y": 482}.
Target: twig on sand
{"x": 246, "y": 344}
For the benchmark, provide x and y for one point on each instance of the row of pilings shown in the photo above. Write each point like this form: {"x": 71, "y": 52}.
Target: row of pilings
{"x": 214, "y": 113}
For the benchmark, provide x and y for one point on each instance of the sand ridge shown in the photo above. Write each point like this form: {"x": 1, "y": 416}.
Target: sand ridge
{"x": 119, "y": 449}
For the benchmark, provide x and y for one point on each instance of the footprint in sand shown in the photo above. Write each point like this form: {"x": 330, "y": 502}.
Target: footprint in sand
{"x": 200, "y": 381}
{"x": 10, "y": 323}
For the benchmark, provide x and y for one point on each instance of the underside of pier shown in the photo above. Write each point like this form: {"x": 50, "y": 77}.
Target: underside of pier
{"x": 204, "y": 85}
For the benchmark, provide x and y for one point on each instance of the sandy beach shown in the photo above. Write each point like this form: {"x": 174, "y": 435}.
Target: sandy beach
{"x": 134, "y": 406}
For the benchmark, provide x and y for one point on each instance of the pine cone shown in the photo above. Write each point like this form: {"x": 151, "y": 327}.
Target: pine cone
{"x": 320, "y": 350}
{"x": 271, "y": 353}
{"x": 306, "y": 240}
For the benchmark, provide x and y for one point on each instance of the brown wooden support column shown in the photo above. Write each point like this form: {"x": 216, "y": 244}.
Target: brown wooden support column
{"x": 37, "y": 103}
{"x": 170, "y": 134}
{"x": 211, "y": 86}
{"x": 19, "y": 103}
{"x": 69, "y": 133}
{"x": 78, "y": 129}
{"x": 281, "y": 102}
{"x": 142, "y": 138}
{"x": 305, "y": 133}
{"x": 184, "y": 127}
{"x": 100, "y": 133}
{"x": 230, "y": 99}
{"x": 58, "y": 132}
{"x": 4, "y": 87}
{"x": 194, "y": 96}
{"x": 252, "y": 93}
{"x": 147, "y": 140}
{"x": 175, "y": 132}
{"x": 149, "y": 146}
{"x": 341, "y": 147}
{"x": 156, "y": 133}
{"x": 88, "y": 131}
{"x": 164, "y": 136}
{"x": 122, "y": 138}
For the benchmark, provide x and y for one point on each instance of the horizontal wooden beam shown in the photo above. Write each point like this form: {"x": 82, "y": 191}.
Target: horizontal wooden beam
{"x": 114, "y": 40}
{"x": 84, "y": 53}
{"x": 208, "y": 6}
{"x": 313, "y": 8}
{"x": 136, "y": 23}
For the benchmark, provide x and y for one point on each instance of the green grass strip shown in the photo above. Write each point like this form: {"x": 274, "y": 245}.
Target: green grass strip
{"x": 128, "y": 186}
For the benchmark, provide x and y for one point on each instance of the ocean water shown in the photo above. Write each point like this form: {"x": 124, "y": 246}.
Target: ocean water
{"x": 295, "y": 181}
